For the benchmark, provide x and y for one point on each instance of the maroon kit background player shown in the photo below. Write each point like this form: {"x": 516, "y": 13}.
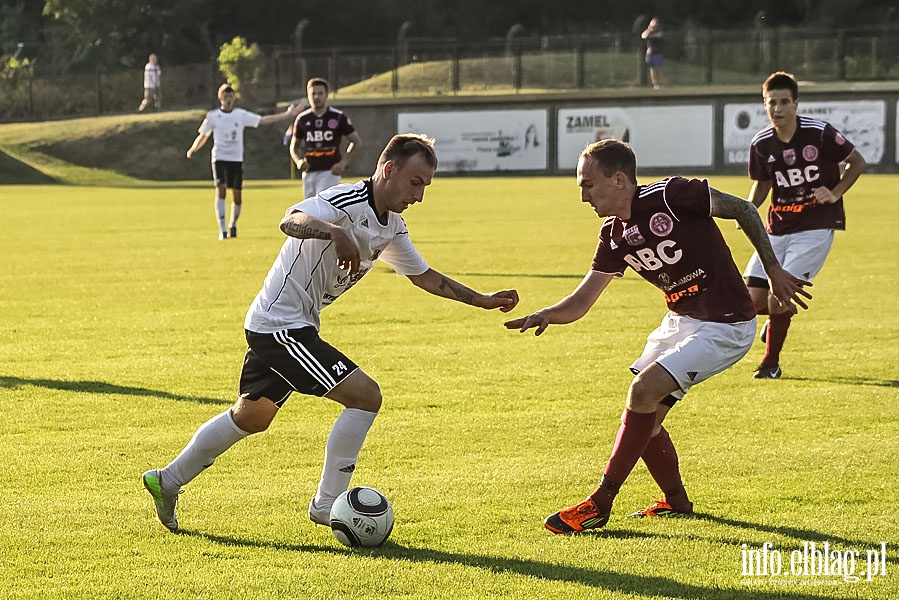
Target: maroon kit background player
{"x": 799, "y": 158}
{"x": 666, "y": 233}
{"x": 317, "y": 137}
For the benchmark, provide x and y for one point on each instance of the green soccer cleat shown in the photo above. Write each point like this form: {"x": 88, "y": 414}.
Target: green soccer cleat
{"x": 165, "y": 502}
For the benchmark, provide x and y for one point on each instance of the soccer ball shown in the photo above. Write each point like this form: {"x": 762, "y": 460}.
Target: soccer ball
{"x": 361, "y": 516}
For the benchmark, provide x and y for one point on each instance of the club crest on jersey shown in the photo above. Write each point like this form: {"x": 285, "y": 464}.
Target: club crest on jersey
{"x": 790, "y": 156}
{"x": 332, "y": 123}
{"x": 809, "y": 153}
{"x": 633, "y": 236}
{"x": 661, "y": 224}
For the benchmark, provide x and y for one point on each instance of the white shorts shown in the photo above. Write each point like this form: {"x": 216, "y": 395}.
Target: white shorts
{"x": 318, "y": 181}
{"x": 801, "y": 254}
{"x": 692, "y": 350}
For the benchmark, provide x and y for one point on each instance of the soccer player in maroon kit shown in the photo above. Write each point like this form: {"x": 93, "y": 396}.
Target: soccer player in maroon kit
{"x": 316, "y": 141}
{"x": 665, "y": 232}
{"x": 799, "y": 158}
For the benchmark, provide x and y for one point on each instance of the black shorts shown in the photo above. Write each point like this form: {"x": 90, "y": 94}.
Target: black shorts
{"x": 228, "y": 173}
{"x": 291, "y": 360}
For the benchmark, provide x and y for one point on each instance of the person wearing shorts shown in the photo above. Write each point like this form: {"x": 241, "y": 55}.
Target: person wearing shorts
{"x": 798, "y": 160}
{"x": 226, "y": 124}
{"x": 666, "y": 233}
{"x": 332, "y": 241}
{"x": 316, "y": 139}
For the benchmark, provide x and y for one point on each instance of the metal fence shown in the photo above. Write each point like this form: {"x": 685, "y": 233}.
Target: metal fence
{"x": 416, "y": 67}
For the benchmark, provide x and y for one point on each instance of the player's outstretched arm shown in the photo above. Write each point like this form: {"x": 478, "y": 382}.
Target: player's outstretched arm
{"x": 569, "y": 309}
{"x": 305, "y": 227}
{"x": 439, "y": 284}
{"x": 198, "y": 143}
{"x": 784, "y": 286}
{"x": 268, "y": 119}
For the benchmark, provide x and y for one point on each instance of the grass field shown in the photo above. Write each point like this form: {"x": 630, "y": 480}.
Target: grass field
{"x": 121, "y": 332}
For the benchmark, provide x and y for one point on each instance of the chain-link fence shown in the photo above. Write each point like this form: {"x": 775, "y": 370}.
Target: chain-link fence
{"x": 438, "y": 67}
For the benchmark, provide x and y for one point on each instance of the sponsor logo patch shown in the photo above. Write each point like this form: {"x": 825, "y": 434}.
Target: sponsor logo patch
{"x": 790, "y": 156}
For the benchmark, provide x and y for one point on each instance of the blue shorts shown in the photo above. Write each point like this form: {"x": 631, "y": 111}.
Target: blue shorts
{"x": 654, "y": 60}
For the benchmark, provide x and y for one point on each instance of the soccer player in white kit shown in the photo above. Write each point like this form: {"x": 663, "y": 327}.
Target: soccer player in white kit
{"x": 666, "y": 233}
{"x": 333, "y": 240}
{"x": 226, "y": 124}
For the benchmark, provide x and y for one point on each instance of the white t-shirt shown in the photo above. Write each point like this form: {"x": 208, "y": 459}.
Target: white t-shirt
{"x": 227, "y": 132}
{"x": 305, "y": 277}
{"x": 152, "y": 75}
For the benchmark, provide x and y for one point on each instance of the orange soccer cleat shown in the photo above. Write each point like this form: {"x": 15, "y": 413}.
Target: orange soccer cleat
{"x": 660, "y": 508}
{"x": 576, "y": 518}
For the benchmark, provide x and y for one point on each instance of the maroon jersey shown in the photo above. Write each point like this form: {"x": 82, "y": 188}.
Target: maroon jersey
{"x": 809, "y": 160}
{"x": 672, "y": 242}
{"x": 321, "y": 136}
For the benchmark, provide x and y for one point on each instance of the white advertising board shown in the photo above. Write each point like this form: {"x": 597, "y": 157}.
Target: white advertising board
{"x": 484, "y": 140}
{"x": 862, "y": 122}
{"x": 661, "y": 136}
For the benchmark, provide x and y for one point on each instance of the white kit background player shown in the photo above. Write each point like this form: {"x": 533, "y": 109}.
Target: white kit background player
{"x": 333, "y": 239}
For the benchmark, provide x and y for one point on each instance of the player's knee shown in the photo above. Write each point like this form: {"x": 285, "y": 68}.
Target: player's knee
{"x": 642, "y": 397}
{"x": 365, "y": 395}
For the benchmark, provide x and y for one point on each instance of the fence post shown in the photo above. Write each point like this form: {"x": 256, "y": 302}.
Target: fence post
{"x": 516, "y": 70}
{"x": 99, "y": 92}
{"x": 579, "y": 64}
{"x": 709, "y": 56}
{"x": 839, "y": 49}
{"x": 333, "y": 71}
{"x": 455, "y": 69}
{"x": 395, "y": 73}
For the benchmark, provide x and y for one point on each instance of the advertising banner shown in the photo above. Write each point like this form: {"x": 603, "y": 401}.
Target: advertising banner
{"x": 483, "y": 140}
{"x": 661, "y": 136}
{"x": 861, "y": 122}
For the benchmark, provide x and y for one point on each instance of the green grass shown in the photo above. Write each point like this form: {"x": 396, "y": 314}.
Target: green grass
{"x": 121, "y": 332}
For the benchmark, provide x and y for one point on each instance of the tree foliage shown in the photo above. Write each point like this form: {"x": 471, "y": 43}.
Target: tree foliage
{"x": 240, "y": 62}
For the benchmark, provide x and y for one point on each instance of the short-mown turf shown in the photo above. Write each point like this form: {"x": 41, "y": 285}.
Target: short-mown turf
{"x": 121, "y": 332}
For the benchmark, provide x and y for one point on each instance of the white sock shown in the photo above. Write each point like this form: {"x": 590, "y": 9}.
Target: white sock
{"x": 235, "y": 212}
{"x": 341, "y": 452}
{"x": 212, "y": 438}
{"x": 220, "y": 212}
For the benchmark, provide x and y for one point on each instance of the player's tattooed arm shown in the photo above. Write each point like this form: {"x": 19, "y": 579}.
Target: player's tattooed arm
{"x": 785, "y": 287}
{"x": 300, "y": 225}
{"x": 440, "y": 285}
{"x": 726, "y": 206}
{"x": 305, "y": 227}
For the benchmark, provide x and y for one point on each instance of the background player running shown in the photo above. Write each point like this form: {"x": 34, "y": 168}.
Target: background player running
{"x": 799, "y": 159}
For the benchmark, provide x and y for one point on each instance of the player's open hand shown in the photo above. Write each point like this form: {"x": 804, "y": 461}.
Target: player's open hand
{"x": 504, "y": 300}
{"x": 539, "y": 319}
{"x": 788, "y": 289}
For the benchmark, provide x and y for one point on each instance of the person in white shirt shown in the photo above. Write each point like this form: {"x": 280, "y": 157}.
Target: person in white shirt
{"x": 226, "y": 124}
{"x": 333, "y": 239}
{"x": 152, "y": 85}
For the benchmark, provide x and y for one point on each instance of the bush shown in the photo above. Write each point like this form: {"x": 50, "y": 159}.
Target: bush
{"x": 240, "y": 63}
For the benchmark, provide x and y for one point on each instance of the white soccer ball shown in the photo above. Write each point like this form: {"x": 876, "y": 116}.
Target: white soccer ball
{"x": 361, "y": 516}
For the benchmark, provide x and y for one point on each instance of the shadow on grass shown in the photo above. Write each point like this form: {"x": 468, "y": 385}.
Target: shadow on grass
{"x": 890, "y": 383}
{"x": 802, "y": 535}
{"x": 102, "y": 387}
{"x": 624, "y": 583}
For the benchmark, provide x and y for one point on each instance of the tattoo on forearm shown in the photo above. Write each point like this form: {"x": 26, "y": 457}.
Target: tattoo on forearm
{"x": 462, "y": 293}
{"x": 747, "y": 215}
{"x": 304, "y": 231}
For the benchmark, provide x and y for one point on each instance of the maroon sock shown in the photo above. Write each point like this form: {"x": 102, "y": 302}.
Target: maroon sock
{"x": 660, "y": 458}
{"x": 633, "y": 436}
{"x": 777, "y": 333}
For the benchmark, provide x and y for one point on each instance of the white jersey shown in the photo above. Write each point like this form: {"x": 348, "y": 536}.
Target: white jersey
{"x": 152, "y": 75}
{"x": 305, "y": 277}
{"x": 226, "y": 129}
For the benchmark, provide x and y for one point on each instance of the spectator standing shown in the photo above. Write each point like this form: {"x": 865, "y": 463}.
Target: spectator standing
{"x": 654, "y": 57}
{"x": 152, "y": 85}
